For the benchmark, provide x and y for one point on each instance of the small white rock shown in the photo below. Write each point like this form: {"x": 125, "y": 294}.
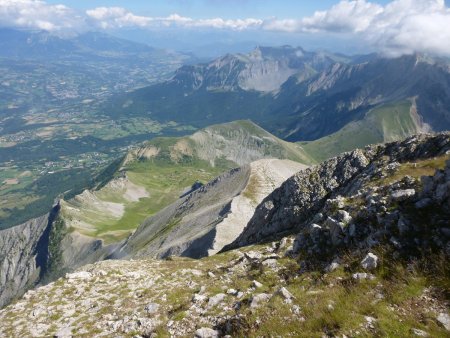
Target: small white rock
{"x": 363, "y": 275}
{"x": 285, "y": 293}
{"x": 369, "y": 262}
{"x": 258, "y": 299}
{"x": 256, "y": 284}
{"x": 216, "y": 300}
{"x": 444, "y": 319}
{"x": 232, "y": 292}
{"x": 151, "y": 308}
{"x": 205, "y": 332}
{"x": 79, "y": 275}
{"x": 197, "y": 298}
{"x": 419, "y": 333}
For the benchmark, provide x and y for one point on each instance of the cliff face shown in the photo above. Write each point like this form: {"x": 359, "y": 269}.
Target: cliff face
{"x": 23, "y": 256}
{"x": 290, "y": 208}
{"x": 40, "y": 251}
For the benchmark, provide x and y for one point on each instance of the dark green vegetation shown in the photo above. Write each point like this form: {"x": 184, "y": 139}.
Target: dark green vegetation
{"x": 31, "y": 197}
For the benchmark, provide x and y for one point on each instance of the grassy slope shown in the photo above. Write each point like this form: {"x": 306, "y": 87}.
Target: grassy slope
{"x": 166, "y": 176}
{"x": 383, "y": 124}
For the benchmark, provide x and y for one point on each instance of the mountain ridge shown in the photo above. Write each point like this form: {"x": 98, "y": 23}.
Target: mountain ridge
{"x": 307, "y": 105}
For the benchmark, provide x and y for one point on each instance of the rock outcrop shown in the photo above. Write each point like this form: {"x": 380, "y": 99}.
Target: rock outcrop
{"x": 41, "y": 250}
{"x": 210, "y": 217}
{"x": 300, "y": 201}
{"x": 23, "y": 256}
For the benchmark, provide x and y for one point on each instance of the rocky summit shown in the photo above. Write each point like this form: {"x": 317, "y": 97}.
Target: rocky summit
{"x": 357, "y": 246}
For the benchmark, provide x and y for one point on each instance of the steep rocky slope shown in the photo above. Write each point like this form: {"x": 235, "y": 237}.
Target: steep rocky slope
{"x": 201, "y": 223}
{"x": 298, "y": 203}
{"x": 21, "y": 256}
{"x": 265, "y": 69}
{"x": 344, "y": 93}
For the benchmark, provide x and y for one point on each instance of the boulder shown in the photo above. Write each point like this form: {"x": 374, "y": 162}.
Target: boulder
{"x": 256, "y": 284}
{"x": 258, "y": 299}
{"x": 151, "y": 308}
{"x": 216, "y": 300}
{"x": 444, "y": 319}
{"x": 283, "y": 292}
{"x": 402, "y": 195}
{"x": 369, "y": 262}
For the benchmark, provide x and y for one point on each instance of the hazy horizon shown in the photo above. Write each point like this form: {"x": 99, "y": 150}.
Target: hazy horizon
{"x": 212, "y": 27}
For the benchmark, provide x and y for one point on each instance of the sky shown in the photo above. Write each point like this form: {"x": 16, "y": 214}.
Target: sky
{"x": 391, "y": 27}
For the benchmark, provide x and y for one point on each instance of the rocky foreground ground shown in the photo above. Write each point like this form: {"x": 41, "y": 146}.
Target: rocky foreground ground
{"x": 259, "y": 291}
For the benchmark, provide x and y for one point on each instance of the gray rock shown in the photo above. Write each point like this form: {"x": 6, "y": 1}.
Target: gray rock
{"x": 232, "y": 292}
{"x": 216, "y": 300}
{"x": 285, "y": 293}
{"x": 332, "y": 266}
{"x": 423, "y": 203}
{"x": 256, "y": 284}
{"x": 363, "y": 275}
{"x": 370, "y": 321}
{"x": 283, "y": 244}
{"x": 151, "y": 308}
{"x": 270, "y": 263}
{"x": 82, "y": 275}
{"x": 402, "y": 195}
{"x": 336, "y": 230}
{"x": 205, "y": 332}
{"x": 65, "y": 332}
{"x": 253, "y": 255}
{"x": 402, "y": 226}
{"x": 197, "y": 298}
{"x": 419, "y": 333}
{"x": 369, "y": 262}
{"x": 444, "y": 320}
{"x": 344, "y": 217}
{"x": 296, "y": 310}
{"x": 258, "y": 299}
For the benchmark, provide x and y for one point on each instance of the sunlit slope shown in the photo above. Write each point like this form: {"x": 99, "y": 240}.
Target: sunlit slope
{"x": 156, "y": 174}
{"x": 382, "y": 124}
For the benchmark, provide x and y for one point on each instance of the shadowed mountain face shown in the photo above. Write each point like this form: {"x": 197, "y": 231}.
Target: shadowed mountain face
{"x": 294, "y": 94}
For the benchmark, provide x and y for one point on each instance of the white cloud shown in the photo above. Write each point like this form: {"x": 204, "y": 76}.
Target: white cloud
{"x": 117, "y": 17}
{"x": 402, "y": 26}
{"x": 37, "y": 14}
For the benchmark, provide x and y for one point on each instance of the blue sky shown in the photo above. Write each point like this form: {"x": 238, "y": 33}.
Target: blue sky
{"x": 391, "y": 27}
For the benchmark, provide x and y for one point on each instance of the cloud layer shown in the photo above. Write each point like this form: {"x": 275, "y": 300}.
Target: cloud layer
{"x": 401, "y": 26}
{"x": 38, "y": 14}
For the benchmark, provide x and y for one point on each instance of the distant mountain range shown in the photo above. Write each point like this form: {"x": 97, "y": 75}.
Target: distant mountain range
{"x": 35, "y": 45}
{"x": 295, "y": 94}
